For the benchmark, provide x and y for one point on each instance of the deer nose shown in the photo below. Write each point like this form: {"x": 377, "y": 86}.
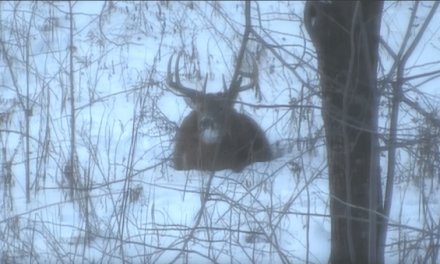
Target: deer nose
{"x": 206, "y": 123}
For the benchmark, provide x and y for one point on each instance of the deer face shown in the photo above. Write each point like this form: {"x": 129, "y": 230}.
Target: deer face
{"x": 214, "y": 113}
{"x": 211, "y": 115}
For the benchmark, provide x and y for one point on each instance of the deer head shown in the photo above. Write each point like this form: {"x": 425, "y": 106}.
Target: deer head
{"x": 214, "y": 136}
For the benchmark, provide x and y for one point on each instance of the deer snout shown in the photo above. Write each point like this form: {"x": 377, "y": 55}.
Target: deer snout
{"x": 207, "y": 123}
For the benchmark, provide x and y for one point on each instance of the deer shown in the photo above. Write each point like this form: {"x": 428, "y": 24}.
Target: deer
{"x": 214, "y": 136}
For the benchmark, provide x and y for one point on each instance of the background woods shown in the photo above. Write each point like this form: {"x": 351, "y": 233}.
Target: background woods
{"x": 88, "y": 126}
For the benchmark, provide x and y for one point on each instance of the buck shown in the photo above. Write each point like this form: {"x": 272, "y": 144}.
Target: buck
{"x": 214, "y": 136}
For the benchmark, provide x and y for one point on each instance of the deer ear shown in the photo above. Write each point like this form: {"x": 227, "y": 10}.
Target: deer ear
{"x": 191, "y": 102}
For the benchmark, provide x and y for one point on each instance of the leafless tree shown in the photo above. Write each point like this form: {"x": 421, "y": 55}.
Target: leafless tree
{"x": 346, "y": 38}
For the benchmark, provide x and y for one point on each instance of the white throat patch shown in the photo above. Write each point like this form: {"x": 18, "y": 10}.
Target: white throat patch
{"x": 210, "y": 136}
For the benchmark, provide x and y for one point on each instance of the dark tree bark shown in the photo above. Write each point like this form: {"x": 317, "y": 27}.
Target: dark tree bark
{"x": 346, "y": 37}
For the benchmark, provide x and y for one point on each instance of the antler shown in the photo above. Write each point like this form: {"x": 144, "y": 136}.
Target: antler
{"x": 177, "y": 85}
{"x": 234, "y": 89}
{"x": 235, "y": 86}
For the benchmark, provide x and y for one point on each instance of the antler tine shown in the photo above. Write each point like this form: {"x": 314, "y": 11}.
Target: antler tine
{"x": 252, "y": 75}
{"x": 170, "y": 82}
{"x": 204, "y": 85}
{"x": 224, "y": 84}
{"x": 177, "y": 85}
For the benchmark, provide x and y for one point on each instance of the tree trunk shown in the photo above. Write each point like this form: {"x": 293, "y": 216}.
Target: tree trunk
{"x": 345, "y": 36}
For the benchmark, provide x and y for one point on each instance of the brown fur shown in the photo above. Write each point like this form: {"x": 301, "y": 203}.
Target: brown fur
{"x": 242, "y": 143}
